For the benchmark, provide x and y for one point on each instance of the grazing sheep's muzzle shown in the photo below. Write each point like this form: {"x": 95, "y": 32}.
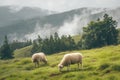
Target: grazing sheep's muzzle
{"x": 60, "y": 67}
{"x": 45, "y": 62}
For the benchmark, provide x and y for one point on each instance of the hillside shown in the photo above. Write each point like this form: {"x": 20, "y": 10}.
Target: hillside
{"x": 16, "y": 20}
{"x": 69, "y": 22}
{"x": 23, "y": 52}
{"x": 11, "y": 14}
{"x": 98, "y": 64}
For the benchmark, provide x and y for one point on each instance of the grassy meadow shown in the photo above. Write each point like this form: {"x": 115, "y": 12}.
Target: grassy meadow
{"x": 98, "y": 64}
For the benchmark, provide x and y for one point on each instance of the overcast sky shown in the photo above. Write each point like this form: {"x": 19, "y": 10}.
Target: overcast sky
{"x": 62, "y": 5}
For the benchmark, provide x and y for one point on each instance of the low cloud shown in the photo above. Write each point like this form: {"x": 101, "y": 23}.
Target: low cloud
{"x": 44, "y": 31}
{"x": 73, "y": 27}
{"x": 70, "y": 28}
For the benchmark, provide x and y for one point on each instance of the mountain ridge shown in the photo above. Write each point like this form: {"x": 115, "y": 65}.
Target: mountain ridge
{"x": 69, "y": 22}
{"x": 9, "y": 14}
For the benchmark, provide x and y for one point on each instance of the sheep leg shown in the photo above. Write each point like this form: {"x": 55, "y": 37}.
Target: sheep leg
{"x": 68, "y": 67}
{"x": 78, "y": 66}
{"x": 38, "y": 64}
{"x": 35, "y": 64}
{"x": 81, "y": 65}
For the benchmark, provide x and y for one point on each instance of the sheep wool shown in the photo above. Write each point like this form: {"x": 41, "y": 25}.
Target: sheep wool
{"x": 68, "y": 59}
{"x": 39, "y": 57}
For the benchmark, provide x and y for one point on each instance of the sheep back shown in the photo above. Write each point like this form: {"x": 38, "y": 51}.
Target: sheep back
{"x": 38, "y": 57}
{"x": 71, "y": 58}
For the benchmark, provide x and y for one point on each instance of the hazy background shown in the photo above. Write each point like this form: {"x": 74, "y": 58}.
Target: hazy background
{"x": 62, "y": 5}
{"x": 26, "y": 19}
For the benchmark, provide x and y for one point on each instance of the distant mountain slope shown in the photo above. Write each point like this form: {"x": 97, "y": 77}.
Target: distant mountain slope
{"x": 9, "y": 14}
{"x": 70, "y": 22}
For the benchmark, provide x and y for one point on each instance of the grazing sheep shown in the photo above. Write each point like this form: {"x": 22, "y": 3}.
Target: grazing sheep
{"x": 71, "y": 58}
{"x": 39, "y": 57}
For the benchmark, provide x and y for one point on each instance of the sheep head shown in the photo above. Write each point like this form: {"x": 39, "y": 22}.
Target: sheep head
{"x": 45, "y": 61}
{"x": 60, "y": 67}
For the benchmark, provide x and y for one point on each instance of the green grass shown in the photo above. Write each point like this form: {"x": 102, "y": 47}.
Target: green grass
{"x": 98, "y": 64}
{"x": 23, "y": 52}
{"x": 76, "y": 38}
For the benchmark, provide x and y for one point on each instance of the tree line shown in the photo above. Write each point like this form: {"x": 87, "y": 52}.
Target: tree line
{"x": 101, "y": 32}
{"x": 54, "y": 44}
{"x": 6, "y": 50}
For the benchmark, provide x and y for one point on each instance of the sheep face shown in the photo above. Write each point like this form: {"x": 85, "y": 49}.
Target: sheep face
{"x": 45, "y": 61}
{"x": 60, "y": 67}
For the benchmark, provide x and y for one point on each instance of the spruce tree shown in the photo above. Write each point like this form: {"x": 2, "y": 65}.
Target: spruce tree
{"x": 35, "y": 47}
{"x": 5, "y": 51}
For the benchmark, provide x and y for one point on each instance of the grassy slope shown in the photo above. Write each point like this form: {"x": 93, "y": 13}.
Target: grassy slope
{"x": 23, "y": 52}
{"x": 76, "y": 38}
{"x": 99, "y": 64}
{"x": 26, "y": 51}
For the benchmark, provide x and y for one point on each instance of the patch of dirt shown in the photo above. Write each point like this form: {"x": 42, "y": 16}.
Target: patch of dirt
{"x": 107, "y": 71}
{"x": 2, "y": 79}
{"x": 93, "y": 60}
{"x": 53, "y": 65}
{"x": 54, "y": 74}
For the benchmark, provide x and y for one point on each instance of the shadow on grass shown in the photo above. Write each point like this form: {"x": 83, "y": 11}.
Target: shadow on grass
{"x": 40, "y": 65}
{"x": 83, "y": 69}
{"x": 72, "y": 70}
{"x": 54, "y": 74}
{"x": 64, "y": 72}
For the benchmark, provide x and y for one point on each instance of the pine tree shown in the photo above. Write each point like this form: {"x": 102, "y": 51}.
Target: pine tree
{"x": 119, "y": 36}
{"x": 35, "y": 47}
{"x": 40, "y": 43}
{"x": 72, "y": 44}
{"x": 5, "y": 50}
{"x": 46, "y": 46}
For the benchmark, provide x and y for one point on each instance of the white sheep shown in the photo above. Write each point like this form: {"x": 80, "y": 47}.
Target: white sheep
{"x": 39, "y": 57}
{"x": 71, "y": 58}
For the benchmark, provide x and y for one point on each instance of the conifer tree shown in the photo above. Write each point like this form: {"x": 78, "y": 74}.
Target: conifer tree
{"x": 5, "y": 51}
